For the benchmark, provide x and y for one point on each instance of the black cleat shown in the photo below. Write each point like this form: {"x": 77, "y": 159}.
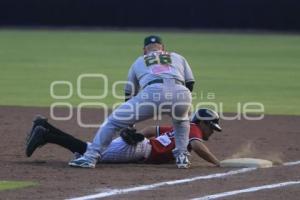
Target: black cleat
{"x": 38, "y": 121}
{"x": 36, "y": 139}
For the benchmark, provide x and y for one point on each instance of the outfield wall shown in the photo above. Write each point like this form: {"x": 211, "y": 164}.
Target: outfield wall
{"x": 206, "y": 14}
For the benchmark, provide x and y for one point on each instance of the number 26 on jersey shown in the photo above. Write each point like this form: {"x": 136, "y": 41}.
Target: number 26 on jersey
{"x": 153, "y": 59}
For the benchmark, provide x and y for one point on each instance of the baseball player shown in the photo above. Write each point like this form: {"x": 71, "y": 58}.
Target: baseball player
{"x": 159, "y": 82}
{"x": 155, "y": 146}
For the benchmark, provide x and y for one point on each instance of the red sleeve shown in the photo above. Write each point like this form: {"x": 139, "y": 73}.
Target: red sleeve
{"x": 195, "y": 132}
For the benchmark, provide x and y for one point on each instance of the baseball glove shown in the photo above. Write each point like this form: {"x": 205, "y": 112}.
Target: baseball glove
{"x": 130, "y": 136}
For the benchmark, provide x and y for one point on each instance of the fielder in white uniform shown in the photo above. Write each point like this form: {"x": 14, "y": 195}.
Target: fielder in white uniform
{"x": 159, "y": 82}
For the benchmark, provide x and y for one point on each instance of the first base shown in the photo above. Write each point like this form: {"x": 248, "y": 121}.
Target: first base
{"x": 246, "y": 162}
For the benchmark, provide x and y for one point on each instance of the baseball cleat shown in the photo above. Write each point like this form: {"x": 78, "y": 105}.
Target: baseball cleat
{"x": 38, "y": 121}
{"x": 83, "y": 162}
{"x": 182, "y": 161}
{"x": 77, "y": 155}
{"x": 36, "y": 139}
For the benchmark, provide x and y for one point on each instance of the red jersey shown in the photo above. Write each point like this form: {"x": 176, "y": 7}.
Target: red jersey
{"x": 164, "y": 143}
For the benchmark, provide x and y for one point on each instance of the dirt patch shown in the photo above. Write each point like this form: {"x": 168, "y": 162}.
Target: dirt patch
{"x": 275, "y": 137}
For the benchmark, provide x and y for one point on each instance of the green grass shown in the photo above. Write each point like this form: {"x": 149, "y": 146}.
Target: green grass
{"x": 235, "y": 67}
{"x": 8, "y": 185}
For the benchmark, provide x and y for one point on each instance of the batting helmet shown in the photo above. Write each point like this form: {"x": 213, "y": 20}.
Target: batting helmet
{"x": 208, "y": 116}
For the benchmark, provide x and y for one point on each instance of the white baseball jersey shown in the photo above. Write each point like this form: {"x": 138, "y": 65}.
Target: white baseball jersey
{"x": 157, "y": 65}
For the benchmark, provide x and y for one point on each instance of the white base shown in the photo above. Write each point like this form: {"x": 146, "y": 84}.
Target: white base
{"x": 246, "y": 162}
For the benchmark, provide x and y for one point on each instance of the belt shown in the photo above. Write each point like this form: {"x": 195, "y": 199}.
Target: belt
{"x": 162, "y": 81}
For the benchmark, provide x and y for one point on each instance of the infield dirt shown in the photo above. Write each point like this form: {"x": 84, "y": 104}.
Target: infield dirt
{"x": 275, "y": 138}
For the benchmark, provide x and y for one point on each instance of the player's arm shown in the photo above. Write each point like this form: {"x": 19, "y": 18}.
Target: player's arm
{"x": 150, "y": 131}
{"x": 188, "y": 75}
{"x": 203, "y": 152}
{"x": 132, "y": 85}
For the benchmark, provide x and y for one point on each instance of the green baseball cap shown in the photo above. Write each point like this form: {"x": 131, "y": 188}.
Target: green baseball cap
{"x": 152, "y": 39}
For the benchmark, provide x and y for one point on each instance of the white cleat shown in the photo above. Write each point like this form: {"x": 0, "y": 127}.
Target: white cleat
{"x": 182, "y": 161}
{"x": 83, "y": 162}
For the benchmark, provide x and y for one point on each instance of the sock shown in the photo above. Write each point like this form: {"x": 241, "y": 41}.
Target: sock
{"x": 57, "y": 136}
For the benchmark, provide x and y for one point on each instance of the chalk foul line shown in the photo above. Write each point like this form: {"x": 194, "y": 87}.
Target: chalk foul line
{"x": 167, "y": 183}
{"x": 247, "y": 190}
{"x": 180, "y": 181}
{"x": 291, "y": 163}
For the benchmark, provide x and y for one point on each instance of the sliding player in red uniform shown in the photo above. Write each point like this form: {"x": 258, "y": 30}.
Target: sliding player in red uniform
{"x": 154, "y": 146}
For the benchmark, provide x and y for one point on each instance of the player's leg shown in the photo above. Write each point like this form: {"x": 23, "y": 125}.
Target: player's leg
{"x": 126, "y": 115}
{"x": 180, "y": 118}
{"x": 120, "y": 152}
{"x": 134, "y": 110}
{"x": 43, "y": 132}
